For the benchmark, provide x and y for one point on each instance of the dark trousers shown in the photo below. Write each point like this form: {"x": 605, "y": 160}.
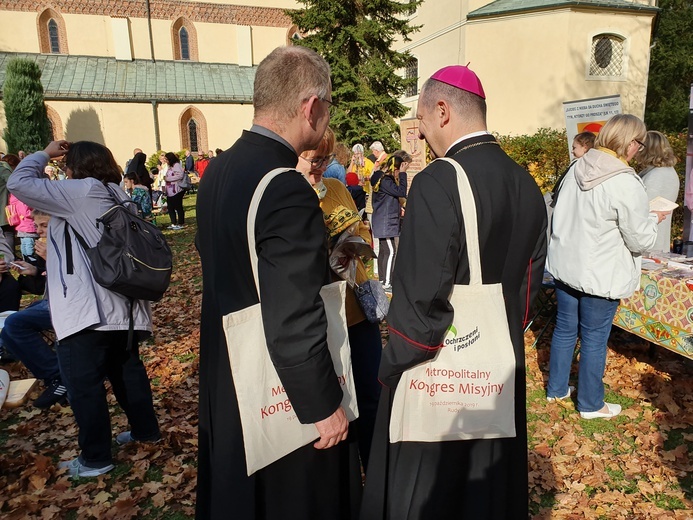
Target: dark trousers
{"x": 10, "y": 292}
{"x": 21, "y": 336}
{"x": 175, "y": 208}
{"x": 86, "y": 360}
{"x": 366, "y": 349}
{"x": 386, "y": 259}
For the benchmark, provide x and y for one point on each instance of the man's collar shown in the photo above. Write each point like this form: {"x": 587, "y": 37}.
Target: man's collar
{"x": 468, "y": 136}
{"x": 272, "y": 135}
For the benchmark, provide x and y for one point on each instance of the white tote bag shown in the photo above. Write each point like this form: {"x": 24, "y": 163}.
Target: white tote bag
{"x": 468, "y": 390}
{"x": 271, "y": 429}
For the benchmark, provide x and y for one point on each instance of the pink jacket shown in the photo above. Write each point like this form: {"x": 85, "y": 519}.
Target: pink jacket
{"x": 26, "y": 224}
{"x": 173, "y": 175}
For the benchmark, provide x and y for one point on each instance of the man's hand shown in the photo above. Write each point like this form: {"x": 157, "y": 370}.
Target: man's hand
{"x": 57, "y": 148}
{"x": 332, "y": 430}
{"x": 29, "y": 270}
{"x": 4, "y": 267}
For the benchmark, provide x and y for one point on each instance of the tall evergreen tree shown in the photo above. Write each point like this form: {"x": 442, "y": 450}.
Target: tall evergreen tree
{"x": 671, "y": 67}
{"x": 356, "y": 37}
{"x": 27, "y": 121}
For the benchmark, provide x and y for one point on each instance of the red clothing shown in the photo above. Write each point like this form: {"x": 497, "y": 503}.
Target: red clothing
{"x": 201, "y": 166}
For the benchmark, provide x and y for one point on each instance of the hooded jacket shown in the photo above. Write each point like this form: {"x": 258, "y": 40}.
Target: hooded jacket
{"x": 77, "y": 302}
{"x": 601, "y": 227}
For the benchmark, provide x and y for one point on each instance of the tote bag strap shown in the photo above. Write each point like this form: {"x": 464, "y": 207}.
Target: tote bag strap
{"x": 252, "y": 214}
{"x": 471, "y": 228}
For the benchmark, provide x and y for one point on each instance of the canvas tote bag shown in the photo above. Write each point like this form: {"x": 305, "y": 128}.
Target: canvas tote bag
{"x": 271, "y": 429}
{"x": 468, "y": 390}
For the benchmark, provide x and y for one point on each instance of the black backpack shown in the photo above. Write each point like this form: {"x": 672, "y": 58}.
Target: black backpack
{"x": 132, "y": 257}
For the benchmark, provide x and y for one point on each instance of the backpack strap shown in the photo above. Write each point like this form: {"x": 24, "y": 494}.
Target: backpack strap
{"x": 70, "y": 267}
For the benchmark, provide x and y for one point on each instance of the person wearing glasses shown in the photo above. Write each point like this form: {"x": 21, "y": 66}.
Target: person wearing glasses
{"x": 321, "y": 480}
{"x": 340, "y": 213}
{"x": 601, "y": 227}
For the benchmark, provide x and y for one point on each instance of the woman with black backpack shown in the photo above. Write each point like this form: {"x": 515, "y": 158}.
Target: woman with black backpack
{"x": 91, "y": 322}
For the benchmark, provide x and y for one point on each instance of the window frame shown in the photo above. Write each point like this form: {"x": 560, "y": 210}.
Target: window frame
{"x": 625, "y": 42}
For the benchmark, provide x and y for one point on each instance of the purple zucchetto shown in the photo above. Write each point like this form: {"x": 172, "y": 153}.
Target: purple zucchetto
{"x": 460, "y": 77}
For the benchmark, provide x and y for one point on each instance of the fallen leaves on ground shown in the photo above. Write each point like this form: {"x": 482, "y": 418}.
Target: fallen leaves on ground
{"x": 638, "y": 465}
{"x": 635, "y": 466}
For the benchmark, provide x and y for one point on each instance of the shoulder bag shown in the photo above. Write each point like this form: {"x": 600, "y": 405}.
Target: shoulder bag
{"x": 271, "y": 429}
{"x": 468, "y": 390}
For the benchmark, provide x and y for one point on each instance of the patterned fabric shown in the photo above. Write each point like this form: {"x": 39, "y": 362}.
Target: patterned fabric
{"x": 661, "y": 312}
{"x": 339, "y": 219}
{"x": 373, "y": 300}
{"x": 141, "y": 197}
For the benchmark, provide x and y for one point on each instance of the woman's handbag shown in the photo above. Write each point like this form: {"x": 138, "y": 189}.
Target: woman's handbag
{"x": 373, "y": 300}
{"x": 271, "y": 429}
{"x": 468, "y": 390}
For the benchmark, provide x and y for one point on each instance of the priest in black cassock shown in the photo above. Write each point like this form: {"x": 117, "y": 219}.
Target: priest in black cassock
{"x": 321, "y": 481}
{"x": 473, "y": 479}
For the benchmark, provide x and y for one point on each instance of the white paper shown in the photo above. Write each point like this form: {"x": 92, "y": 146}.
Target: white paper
{"x": 662, "y": 204}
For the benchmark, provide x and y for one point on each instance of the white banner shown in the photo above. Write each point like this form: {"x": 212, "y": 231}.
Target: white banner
{"x": 589, "y": 115}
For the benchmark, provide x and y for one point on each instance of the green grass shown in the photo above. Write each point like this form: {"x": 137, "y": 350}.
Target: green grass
{"x": 546, "y": 501}
{"x": 667, "y": 502}
{"x": 675, "y": 438}
{"x": 619, "y": 482}
{"x": 5, "y": 433}
{"x": 154, "y": 474}
{"x": 185, "y": 358}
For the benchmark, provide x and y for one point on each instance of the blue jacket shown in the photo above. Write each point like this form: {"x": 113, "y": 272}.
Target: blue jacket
{"x": 385, "y": 221}
{"x": 335, "y": 171}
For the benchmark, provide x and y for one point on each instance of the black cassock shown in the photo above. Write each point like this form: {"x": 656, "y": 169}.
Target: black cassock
{"x": 292, "y": 266}
{"x": 477, "y": 479}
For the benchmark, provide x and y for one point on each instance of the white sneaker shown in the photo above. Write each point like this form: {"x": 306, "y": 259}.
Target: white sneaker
{"x": 571, "y": 391}
{"x": 75, "y": 468}
{"x": 612, "y": 411}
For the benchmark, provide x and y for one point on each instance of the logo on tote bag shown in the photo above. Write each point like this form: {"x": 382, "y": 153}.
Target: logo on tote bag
{"x": 451, "y": 339}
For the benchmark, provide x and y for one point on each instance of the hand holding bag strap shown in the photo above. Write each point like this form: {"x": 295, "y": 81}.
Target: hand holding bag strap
{"x": 252, "y": 214}
{"x": 471, "y": 228}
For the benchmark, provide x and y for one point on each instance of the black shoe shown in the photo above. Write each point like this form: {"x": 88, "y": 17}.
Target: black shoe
{"x": 5, "y": 356}
{"x": 55, "y": 392}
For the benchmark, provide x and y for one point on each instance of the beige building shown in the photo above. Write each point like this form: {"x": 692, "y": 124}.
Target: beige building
{"x": 167, "y": 74}
{"x": 532, "y": 55}
{"x": 176, "y": 74}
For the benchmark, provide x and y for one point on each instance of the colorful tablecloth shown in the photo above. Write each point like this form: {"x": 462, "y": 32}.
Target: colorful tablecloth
{"x": 662, "y": 311}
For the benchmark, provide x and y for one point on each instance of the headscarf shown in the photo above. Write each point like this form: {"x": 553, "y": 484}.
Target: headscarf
{"x": 138, "y": 167}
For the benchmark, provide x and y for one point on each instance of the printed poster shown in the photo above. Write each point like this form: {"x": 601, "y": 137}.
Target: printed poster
{"x": 589, "y": 115}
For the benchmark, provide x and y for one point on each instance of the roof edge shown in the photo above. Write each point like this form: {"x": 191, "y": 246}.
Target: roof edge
{"x": 570, "y": 4}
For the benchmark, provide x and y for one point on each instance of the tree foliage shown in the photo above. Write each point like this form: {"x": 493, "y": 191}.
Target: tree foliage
{"x": 543, "y": 154}
{"x": 27, "y": 121}
{"x": 671, "y": 68}
{"x": 356, "y": 37}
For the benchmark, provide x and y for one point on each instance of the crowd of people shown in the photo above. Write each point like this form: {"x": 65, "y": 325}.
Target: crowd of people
{"x": 298, "y": 230}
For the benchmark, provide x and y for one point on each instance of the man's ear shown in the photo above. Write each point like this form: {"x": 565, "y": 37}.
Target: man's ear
{"x": 308, "y": 108}
{"x": 443, "y": 112}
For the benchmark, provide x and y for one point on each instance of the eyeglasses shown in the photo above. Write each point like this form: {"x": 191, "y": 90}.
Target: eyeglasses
{"x": 641, "y": 146}
{"x": 331, "y": 102}
{"x": 319, "y": 162}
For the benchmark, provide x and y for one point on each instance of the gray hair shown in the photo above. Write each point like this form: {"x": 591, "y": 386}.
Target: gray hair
{"x": 287, "y": 77}
{"x": 377, "y": 146}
